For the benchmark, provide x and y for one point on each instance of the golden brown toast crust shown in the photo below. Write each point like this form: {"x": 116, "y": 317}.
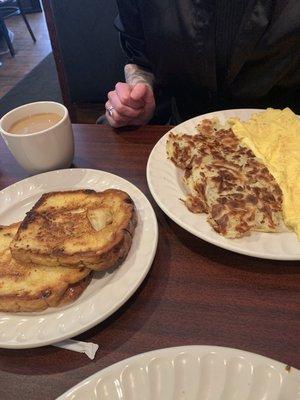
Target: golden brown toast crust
{"x": 31, "y": 288}
{"x": 67, "y": 234}
{"x": 75, "y": 290}
{"x": 44, "y": 300}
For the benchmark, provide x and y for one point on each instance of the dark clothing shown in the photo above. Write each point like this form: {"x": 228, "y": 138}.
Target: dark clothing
{"x": 228, "y": 17}
{"x": 216, "y": 54}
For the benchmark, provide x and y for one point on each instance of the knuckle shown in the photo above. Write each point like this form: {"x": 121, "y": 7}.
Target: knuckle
{"x": 124, "y": 98}
{"x": 121, "y": 109}
{"x": 110, "y": 94}
{"x": 117, "y": 118}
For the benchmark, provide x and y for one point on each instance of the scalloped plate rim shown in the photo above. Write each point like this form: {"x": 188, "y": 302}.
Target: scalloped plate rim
{"x": 185, "y": 225}
{"x": 129, "y": 290}
{"x": 119, "y": 366}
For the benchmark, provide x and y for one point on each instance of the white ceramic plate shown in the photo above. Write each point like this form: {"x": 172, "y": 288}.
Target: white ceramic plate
{"x": 107, "y": 292}
{"x": 191, "y": 373}
{"x": 164, "y": 181}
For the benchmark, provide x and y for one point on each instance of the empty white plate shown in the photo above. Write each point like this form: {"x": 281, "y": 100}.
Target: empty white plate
{"x": 191, "y": 373}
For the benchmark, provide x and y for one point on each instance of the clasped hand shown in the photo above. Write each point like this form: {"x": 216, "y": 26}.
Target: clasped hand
{"x": 127, "y": 105}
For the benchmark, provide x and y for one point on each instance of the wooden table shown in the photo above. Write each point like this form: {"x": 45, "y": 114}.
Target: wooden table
{"x": 195, "y": 293}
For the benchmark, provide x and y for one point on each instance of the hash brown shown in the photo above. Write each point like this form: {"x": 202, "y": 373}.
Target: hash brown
{"x": 225, "y": 180}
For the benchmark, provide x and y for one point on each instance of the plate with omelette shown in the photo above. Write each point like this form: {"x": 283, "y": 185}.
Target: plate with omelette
{"x": 232, "y": 178}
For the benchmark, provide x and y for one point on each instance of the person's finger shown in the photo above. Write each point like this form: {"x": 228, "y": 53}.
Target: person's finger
{"x": 122, "y": 109}
{"x": 138, "y": 92}
{"x": 114, "y": 118}
{"x": 123, "y": 91}
{"x": 149, "y": 97}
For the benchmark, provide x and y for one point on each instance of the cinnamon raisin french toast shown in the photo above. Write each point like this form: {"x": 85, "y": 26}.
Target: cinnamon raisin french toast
{"x": 25, "y": 287}
{"x": 80, "y": 228}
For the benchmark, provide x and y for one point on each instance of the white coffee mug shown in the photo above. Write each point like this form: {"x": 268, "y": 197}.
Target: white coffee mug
{"x": 49, "y": 149}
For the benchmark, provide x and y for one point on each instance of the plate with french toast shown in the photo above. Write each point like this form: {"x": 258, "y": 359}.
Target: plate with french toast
{"x": 231, "y": 178}
{"x": 75, "y": 244}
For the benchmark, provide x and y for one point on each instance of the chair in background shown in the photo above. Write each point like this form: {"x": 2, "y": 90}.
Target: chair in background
{"x": 9, "y": 8}
{"x": 88, "y": 55}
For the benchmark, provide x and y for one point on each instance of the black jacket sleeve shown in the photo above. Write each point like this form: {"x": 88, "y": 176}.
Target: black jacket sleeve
{"x": 129, "y": 25}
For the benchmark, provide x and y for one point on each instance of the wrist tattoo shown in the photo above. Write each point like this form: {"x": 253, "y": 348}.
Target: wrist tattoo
{"x": 135, "y": 74}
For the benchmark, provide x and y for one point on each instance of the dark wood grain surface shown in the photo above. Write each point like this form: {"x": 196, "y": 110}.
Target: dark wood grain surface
{"x": 195, "y": 293}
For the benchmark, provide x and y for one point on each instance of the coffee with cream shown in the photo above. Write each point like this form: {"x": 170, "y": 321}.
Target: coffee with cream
{"x": 34, "y": 123}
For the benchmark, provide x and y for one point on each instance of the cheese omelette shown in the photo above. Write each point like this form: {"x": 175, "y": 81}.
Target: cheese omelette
{"x": 274, "y": 137}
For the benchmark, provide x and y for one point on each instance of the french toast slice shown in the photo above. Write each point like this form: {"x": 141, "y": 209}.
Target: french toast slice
{"x": 81, "y": 228}
{"x": 32, "y": 288}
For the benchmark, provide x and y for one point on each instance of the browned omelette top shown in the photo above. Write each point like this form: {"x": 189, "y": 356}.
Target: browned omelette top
{"x": 225, "y": 180}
